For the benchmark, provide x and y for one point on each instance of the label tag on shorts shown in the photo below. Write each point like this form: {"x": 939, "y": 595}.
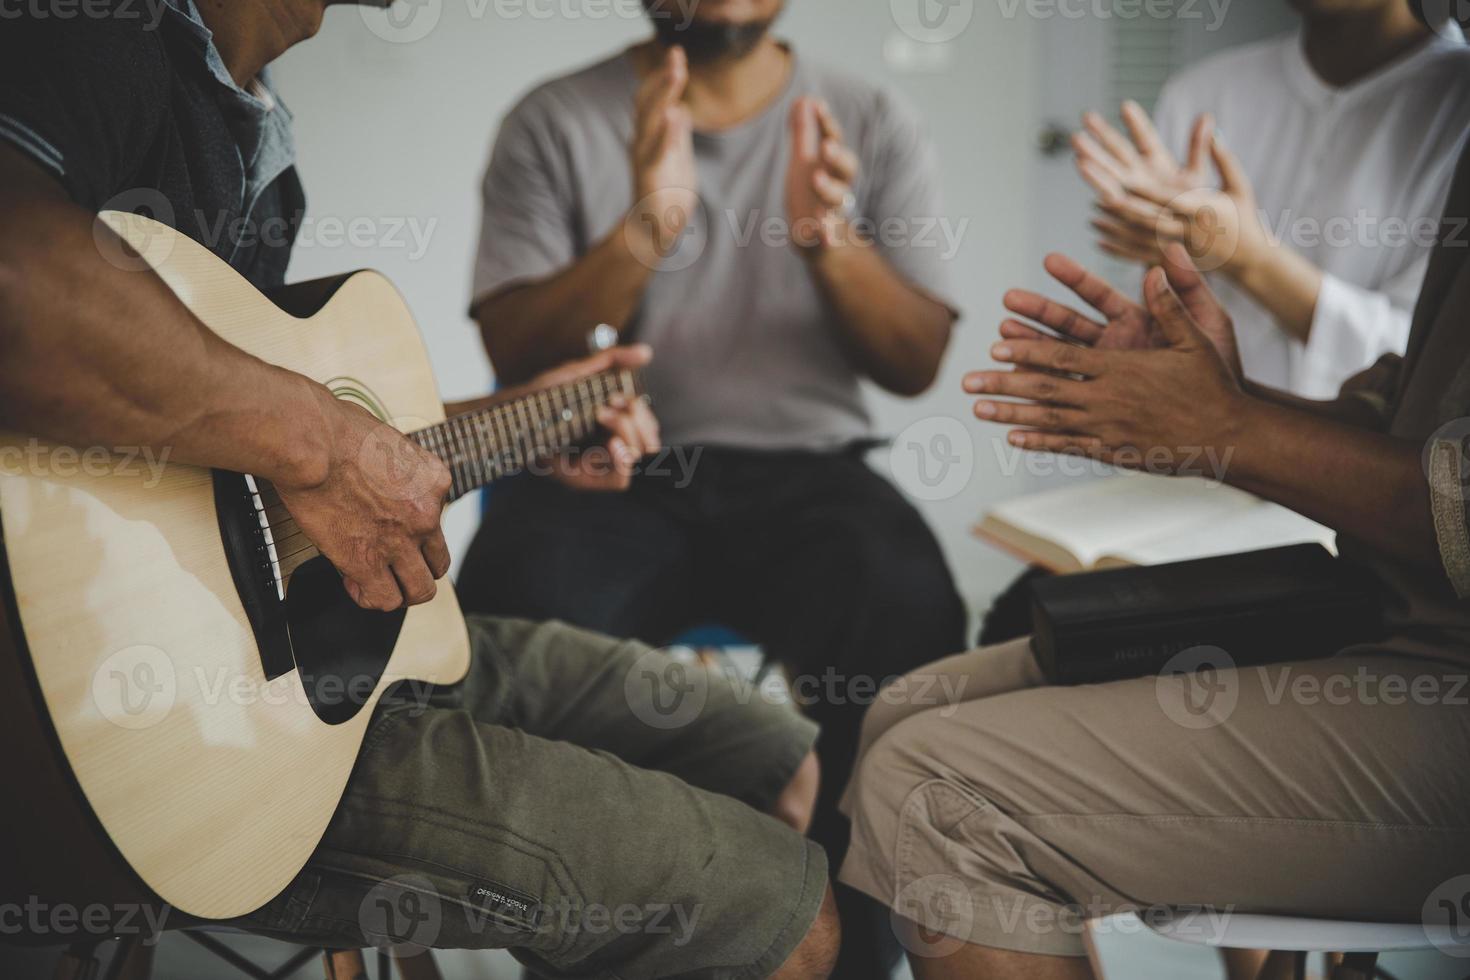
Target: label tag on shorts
{"x": 496, "y": 898}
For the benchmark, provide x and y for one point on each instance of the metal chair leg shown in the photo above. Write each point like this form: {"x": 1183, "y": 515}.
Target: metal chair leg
{"x": 133, "y": 959}
{"x": 344, "y": 964}
{"x": 1355, "y": 966}
{"x": 1243, "y": 964}
{"x": 417, "y": 965}
{"x": 1284, "y": 965}
{"x": 79, "y": 962}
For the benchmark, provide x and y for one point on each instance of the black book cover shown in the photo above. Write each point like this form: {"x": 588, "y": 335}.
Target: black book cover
{"x": 1291, "y": 603}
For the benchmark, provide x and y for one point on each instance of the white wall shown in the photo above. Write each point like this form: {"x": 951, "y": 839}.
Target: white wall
{"x": 392, "y": 131}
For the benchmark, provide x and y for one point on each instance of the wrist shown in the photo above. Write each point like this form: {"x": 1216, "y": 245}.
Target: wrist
{"x": 1250, "y": 266}
{"x": 837, "y": 245}
{"x": 1285, "y": 283}
{"x": 305, "y": 455}
{"x": 1242, "y": 442}
{"x": 653, "y": 229}
{"x": 635, "y": 238}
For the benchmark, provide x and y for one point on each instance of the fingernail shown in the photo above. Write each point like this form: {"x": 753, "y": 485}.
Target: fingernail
{"x": 974, "y": 385}
{"x": 985, "y": 410}
{"x": 1015, "y": 439}
{"x": 1001, "y": 352}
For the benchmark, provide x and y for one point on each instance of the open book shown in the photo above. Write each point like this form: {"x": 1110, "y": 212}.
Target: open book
{"x": 1140, "y": 519}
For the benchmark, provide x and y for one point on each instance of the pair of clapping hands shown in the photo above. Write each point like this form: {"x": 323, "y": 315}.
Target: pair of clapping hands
{"x": 1140, "y": 384}
{"x": 820, "y": 177}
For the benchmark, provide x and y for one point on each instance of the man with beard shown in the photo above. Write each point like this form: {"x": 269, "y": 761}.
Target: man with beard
{"x": 766, "y": 224}
{"x": 586, "y": 842}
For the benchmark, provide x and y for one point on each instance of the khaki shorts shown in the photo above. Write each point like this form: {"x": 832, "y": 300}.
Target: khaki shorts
{"x": 992, "y": 809}
{"x": 586, "y": 803}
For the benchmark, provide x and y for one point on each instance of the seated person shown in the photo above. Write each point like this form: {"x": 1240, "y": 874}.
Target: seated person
{"x": 1316, "y": 222}
{"x": 490, "y": 781}
{"x": 765, "y": 518}
{"x": 996, "y": 825}
{"x": 1316, "y": 214}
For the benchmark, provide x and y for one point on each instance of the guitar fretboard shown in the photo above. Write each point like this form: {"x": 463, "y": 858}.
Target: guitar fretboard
{"x": 483, "y": 446}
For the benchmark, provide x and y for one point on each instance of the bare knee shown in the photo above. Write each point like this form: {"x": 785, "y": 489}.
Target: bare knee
{"x": 798, "y": 800}
{"x": 817, "y": 954}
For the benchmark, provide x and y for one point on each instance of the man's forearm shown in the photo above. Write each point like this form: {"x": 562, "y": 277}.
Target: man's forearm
{"x": 95, "y": 355}
{"x": 534, "y": 327}
{"x": 894, "y": 333}
{"x": 1361, "y": 483}
{"x": 1356, "y": 412}
{"x": 1287, "y": 285}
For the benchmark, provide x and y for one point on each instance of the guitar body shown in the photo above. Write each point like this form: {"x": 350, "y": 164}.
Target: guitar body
{"x": 212, "y": 773}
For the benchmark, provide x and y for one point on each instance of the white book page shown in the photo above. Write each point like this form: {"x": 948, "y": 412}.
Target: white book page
{"x": 1264, "y": 525}
{"x": 1114, "y": 515}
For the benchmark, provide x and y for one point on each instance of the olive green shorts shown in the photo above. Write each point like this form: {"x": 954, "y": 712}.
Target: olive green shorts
{"x": 592, "y": 805}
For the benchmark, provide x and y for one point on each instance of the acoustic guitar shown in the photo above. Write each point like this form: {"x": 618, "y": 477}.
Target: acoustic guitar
{"x": 181, "y": 652}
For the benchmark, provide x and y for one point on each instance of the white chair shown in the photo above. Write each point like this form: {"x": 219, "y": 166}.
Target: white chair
{"x": 1292, "y": 939}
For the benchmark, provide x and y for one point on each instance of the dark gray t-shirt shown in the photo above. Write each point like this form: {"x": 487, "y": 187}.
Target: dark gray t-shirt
{"x": 747, "y": 350}
{"x": 130, "y": 107}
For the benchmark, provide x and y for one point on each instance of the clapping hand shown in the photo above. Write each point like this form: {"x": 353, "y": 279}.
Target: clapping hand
{"x": 1148, "y": 199}
{"x": 664, "y": 178}
{"x": 820, "y": 176}
{"x": 1145, "y": 386}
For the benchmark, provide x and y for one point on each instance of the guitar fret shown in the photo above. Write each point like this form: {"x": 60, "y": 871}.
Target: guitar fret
{"x": 482, "y": 449}
{"x": 558, "y": 423}
{"x": 546, "y": 431}
{"x": 446, "y": 438}
{"x": 461, "y": 455}
{"x": 502, "y": 440}
{"x": 523, "y": 435}
{"x": 516, "y": 439}
{"x": 585, "y": 418}
{"x": 439, "y": 447}
{"x": 471, "y": 466}
{"x": 456, "y": 466}
{"x": 502, "y": 437}
{"x": 538, "y": 425}
{"x": 472, "y": 451}
{"x": 442, "y": 450}
{"x": 551, "y": 431}
{"x": 498, "y": 441}
{"x": 588, "y": 409}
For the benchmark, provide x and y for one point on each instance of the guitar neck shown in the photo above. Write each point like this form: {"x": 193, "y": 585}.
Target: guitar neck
{"x": 501, "y": 440}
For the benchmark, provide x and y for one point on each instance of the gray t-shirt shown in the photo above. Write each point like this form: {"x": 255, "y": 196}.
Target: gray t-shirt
{"x": 747, "y": 353}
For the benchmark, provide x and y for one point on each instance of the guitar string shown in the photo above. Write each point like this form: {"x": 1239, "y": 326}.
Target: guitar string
{"x": 589, "y": 404}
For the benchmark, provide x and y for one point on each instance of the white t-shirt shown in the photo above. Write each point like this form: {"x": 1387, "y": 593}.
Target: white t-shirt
{"x": 1351, "y": 178}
